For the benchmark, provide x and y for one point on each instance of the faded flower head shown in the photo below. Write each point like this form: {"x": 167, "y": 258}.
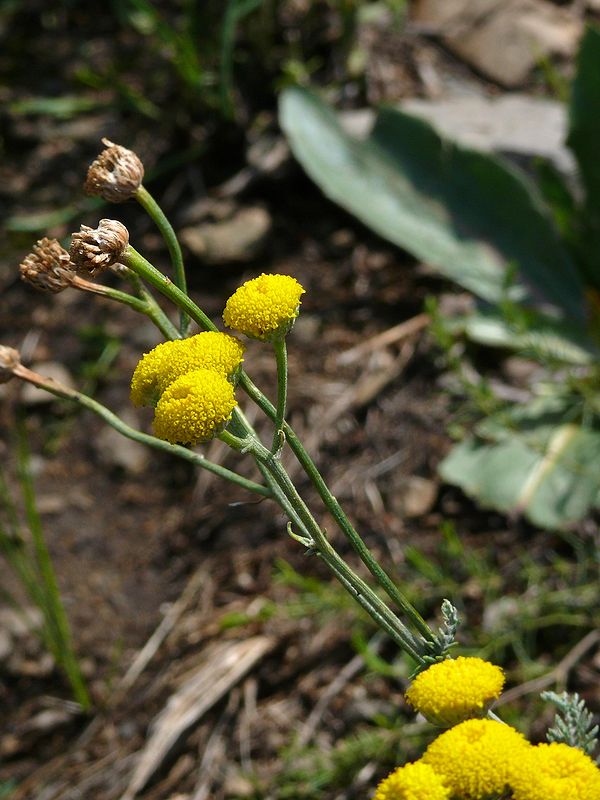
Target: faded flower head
{"x": 474, "y": 758}
{"x": 555, "y": 772}
{"x": 115, "y": 175}
{"x": 455, "y": 689}
{"x": 416, "y": 781}
{"x": 264, "y": 307}
{"x": 168, "y": 361}
{"x": 48, "y": 267}
{"x": 9, "y": 361}
{"x": 194, "y": 408}
{"x": 95, "y": 249}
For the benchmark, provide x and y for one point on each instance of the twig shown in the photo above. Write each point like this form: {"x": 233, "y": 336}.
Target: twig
{"x": 391, "y": 336}
{"x": 556, "y": 675}
{"x": 141, "y": 661}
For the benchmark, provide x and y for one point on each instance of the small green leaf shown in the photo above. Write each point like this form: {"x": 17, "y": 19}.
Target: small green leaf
{"x": 542, "y": 338}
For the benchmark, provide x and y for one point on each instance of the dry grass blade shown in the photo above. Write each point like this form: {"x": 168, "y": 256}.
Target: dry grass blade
{"x": 223, "y": 665}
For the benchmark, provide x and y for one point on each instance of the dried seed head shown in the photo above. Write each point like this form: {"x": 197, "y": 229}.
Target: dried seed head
{"x": 48, "y": 267}
{"x": 95, "y": 249}
{"x": 9, "y": 361}
{"x": 115, "y": 175}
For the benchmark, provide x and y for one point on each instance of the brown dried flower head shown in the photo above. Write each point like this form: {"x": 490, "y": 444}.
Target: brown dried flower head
{"x": 9, "y": 361}
{"x": 48, "y": 267}
{"x": 95, "y": 249}
{"x": 115, "y": 175}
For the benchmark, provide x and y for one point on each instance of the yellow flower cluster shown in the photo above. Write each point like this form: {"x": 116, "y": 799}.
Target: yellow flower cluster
{"x": 482, "y": 758}
{"x": 474, "y": 757}
{"x": 555, "y": 772}
{"x": 194, "y": 407}
{"x": 190, "y": 383}
{"x": 455, "y": 689}
{"x": 264, "y": 307}
{"x": 416, "y": 781}
{"x": 157, "y": 369}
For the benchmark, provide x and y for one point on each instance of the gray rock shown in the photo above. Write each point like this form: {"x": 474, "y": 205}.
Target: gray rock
{"x": 32, "y": 396}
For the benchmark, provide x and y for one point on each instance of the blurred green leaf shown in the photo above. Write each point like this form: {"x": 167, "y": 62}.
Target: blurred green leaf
{"x": 42, "y": 220}
{"x": 64, "y": 107}
{"x": 235, "y": 12}
{"x": 467, "y": 213}
{"x": 584, "y": 133}
{"x": 542, "y": 338}
{"x": 532, "y": 460}
{"x": 584, "y": 136}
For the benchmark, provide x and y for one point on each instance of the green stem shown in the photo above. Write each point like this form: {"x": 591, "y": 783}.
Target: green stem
{"x": 360, "y": 590}
{"x": 152, "y": 208}
{"x": 157, "y": 315}
{"x": 117, "y": 423}
{"x": 282, "y": 379}
{"x": 53, "y": 608}
{"x": 145, "y": 304}
{"x": 155, "y": 277}
{"x": 147, "y": 271}
{"x": 337, "y": 512}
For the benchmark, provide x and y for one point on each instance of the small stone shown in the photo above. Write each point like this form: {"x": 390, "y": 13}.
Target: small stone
{"x": 5, "y": 644}
{"x": 32, "y": 396}
{"x": 238, "y": 239}
{"x": 415, "y": 497}
{"x": 117, "y": 451}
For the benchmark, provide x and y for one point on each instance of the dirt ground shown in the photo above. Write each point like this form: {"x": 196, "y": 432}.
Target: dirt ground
{"x": 149, "y": 550}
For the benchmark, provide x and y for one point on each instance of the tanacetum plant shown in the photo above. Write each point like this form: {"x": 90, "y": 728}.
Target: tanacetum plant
{"x": 196, "y": 385}
{"x": 455, "y": 689}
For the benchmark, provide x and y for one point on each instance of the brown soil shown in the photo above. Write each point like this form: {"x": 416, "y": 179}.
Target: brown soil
{"x": 157, "y": 542}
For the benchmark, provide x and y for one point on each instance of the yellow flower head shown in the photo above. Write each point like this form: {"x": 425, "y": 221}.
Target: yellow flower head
{"x": 416, "y": 781}
{"x": 455, "y": 689}
{"x": 194, "y": 408}
{"x": 264, "y": 307}
{"x": 169, "y": 360}
{"x": 555, "y": 772}
{"x": 474, "y": 757}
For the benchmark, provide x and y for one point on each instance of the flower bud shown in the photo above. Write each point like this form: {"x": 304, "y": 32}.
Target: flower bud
{"x": 48, "y": 267}
{"x": 264, "y": 308}
{"x": 95, "y": 249}
{"x": 9, "y": 361}
{"x": 115, "y": 175}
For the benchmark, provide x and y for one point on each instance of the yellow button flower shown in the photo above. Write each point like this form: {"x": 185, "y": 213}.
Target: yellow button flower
{"x": 555, "y": 772}
{"x": 160, "y": 367}
{"x": 474, "y": 757}
{"x": 455, "y": 689}
{"x": 264, "y": 307}
{"x": 194, "y": 408}
{"x": 416, "y": 781}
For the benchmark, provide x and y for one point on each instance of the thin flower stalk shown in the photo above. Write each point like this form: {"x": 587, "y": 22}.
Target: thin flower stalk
{"x": 148, "y": 272}
{"x": 65, "y": 392}
{"x": 144, "y": 305}
{"x": 360, "y": 590}
{"x": 337, "y": 512}
{"x": 280, "y": 348}
{"x": 149, "y": 204}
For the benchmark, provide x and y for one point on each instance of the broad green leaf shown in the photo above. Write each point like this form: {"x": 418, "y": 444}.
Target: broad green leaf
{"x": 584, "y": 132}
{"x": 466, "y": 213}
{"x": 534, "y": 462}
{"x": 584, "y": 139}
